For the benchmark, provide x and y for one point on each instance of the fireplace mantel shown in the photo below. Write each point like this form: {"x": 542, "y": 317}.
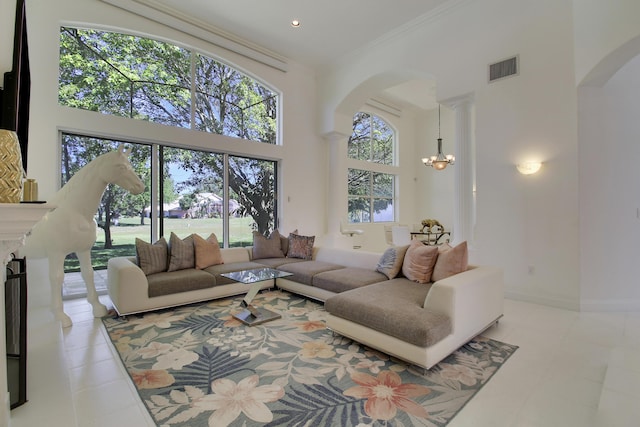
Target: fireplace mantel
{"x": 16, "y": 219}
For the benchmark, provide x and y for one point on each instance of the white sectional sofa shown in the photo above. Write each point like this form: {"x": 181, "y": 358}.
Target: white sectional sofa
{"x": 418, "y": 323}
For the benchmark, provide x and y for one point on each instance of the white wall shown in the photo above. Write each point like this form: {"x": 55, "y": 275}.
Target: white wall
{"x": 610, "y": 191}
{"x": 302, "y": 181}
{"x": 601, "y": 28}
{"x": 521, "y": 221}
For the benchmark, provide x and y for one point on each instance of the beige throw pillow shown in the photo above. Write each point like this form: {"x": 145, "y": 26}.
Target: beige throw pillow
{"x": 391, "y": 260}
{"x": 182, "y": 253}
{"x": 451, "y": 261}
{"x": 267, "y": 248}
{"x": 419, "y": 261}
{"x": 207, "y": 251}
{"x": 152, "y": 258}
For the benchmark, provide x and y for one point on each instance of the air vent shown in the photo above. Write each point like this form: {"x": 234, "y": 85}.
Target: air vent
{"x": 502, "y": 69}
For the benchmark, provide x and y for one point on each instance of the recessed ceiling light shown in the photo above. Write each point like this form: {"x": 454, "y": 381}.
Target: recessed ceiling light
{"x": 295, "y": 23}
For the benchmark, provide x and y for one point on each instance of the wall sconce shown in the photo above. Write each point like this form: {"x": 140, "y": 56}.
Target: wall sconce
{"x": 528, "y": 168}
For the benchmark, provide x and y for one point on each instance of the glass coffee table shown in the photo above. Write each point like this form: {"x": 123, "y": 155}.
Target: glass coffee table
{"x": 252, "y": 315}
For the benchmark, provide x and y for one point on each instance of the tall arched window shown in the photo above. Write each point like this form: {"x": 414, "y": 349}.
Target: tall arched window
{"x": 147, "y": 79}
{"x": 193, "y": 191}
{"x": 370, "y": 189}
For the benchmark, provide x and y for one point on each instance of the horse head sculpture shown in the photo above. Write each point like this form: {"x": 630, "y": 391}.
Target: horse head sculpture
{"x": 71, "y": 226}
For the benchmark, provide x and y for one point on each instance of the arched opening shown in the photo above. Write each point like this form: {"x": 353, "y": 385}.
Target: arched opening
{"x": 408, "y": 101}
{"x": 608, "y": 108}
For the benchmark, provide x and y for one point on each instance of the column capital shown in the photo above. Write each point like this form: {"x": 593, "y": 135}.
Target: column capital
{"x": 334, "y": 136}
{"x": 459, "y": 101}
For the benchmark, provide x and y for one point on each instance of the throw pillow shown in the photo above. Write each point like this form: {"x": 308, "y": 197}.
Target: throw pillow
{"x": 284, "y": 242}
{"x": 267, "y": 248}
{"x": 391, "y": 260}
{"x": 182, "y": 253}
{"x": 419, "y": 261}
{"x": 451, "y": 261}
{"x": 207, "y": 251}
{"x": 300, "y": 246}
{"x": 152, "y": 258}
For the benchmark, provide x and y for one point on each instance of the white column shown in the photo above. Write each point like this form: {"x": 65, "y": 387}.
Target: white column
{"x": 336, "y": 208}
{"x": 464, "y": 180}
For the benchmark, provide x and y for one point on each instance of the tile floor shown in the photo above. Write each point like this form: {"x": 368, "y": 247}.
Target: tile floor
{"x": 572, "y": 369}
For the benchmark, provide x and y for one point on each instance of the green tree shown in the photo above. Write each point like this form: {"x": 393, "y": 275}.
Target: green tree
{"x": 151, "y": 80}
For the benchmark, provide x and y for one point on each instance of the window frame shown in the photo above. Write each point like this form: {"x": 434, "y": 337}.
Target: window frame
{"x": 193, "y": 53}
{"x": 372, "y": 167}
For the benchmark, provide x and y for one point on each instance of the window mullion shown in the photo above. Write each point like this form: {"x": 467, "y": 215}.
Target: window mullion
{"x": 225, "y": 200}
{"x": 193, "y": 90}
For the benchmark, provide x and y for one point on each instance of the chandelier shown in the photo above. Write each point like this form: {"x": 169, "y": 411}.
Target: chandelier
{"x": 440, "y": 161}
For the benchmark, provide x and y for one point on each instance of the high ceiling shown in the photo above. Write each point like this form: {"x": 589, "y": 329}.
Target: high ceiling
{"x": 329, "y": 29}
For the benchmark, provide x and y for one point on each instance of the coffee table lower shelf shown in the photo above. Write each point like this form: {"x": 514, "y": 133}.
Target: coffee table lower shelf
{"x": 256, "y": 316}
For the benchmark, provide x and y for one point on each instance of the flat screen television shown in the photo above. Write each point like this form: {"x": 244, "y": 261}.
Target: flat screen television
{"x": 16, "y": 90}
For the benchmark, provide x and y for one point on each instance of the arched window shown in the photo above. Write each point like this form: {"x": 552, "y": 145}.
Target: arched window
{"x": 370, "y": 189}
{"x": 147, "y": 79}
{"x": 193, "y": 191}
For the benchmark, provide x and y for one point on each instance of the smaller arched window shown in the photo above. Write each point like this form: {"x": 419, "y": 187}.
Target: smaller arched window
{"x": 371, "y": 192}
{"x": 372, "y": 139}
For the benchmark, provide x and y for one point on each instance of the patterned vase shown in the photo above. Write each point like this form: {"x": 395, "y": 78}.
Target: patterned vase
{"x": 10, "y": 167}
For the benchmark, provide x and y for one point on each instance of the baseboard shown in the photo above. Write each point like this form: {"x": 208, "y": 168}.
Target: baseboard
{"x": 618, "y": 305}
{"x": 557, "y": 302}
{"x": 610, "y": 305}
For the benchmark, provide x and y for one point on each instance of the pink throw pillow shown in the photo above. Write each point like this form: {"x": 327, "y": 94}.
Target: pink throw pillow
{"x": 451, "y": 261}
{"x": 419, "y": 261}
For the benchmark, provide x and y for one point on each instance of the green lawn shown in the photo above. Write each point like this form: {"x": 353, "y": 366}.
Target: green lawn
{"x": 125, "y": 233}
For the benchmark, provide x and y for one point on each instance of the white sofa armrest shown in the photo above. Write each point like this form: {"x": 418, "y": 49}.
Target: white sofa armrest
{"x": 473, "y": 300}
{"x": 125, "y": 282}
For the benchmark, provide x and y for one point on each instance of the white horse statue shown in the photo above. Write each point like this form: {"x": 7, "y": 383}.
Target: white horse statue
{"x": 71, "y": 226}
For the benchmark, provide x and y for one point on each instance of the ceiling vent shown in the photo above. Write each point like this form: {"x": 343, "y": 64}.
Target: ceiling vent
{"x": 506, "y": 68}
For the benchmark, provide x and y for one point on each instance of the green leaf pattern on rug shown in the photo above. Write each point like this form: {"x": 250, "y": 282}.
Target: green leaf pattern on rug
{"x": 199, "y": 366}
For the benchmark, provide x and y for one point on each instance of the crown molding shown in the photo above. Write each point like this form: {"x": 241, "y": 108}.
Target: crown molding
{"x": 197, "y": 28}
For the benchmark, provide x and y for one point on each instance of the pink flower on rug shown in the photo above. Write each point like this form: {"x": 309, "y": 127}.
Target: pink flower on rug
{"x": 319, "y": 349}
{"x": 459, "y": 373}
{"x": 311, "y": 325}
{"x": 152, "y": 378}
{"x": 230, "y": 321}
{"x": 276, "y": 295}
{"x": 386, "y": 394}
{"x": 230, "y": 399}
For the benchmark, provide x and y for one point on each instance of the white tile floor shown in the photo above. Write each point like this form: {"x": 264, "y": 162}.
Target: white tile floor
{"x": 572, "y": 369}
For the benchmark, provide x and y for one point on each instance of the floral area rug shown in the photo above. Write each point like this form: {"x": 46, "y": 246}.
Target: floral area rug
{"x": 198, "y": 366}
